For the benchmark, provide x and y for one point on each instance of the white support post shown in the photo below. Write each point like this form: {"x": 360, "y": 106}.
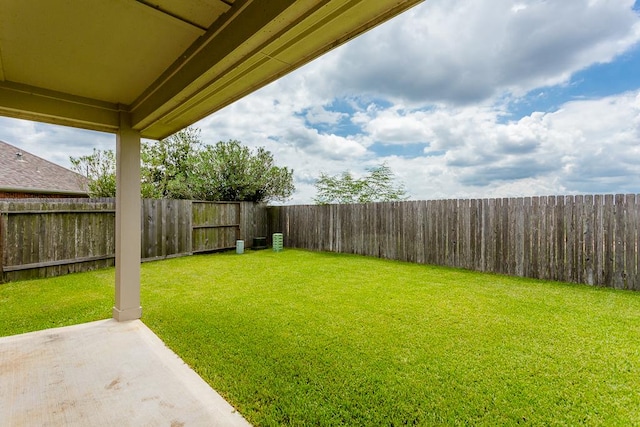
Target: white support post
{"x": 128, "y": 205}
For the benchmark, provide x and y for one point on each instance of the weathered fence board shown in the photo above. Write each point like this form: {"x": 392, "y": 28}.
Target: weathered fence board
{"x": 582, "y": 239}
{"x": 166, "y": 230}
{"x": 53, "y": 237}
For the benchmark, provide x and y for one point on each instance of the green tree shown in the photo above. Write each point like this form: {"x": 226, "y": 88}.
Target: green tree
{"x": 100, "y": 168}
{"x": 232, "y": 172}
{"x": 182, "y": 167}
{"x": 168, "y": 165}
{"x": 377, "y": 186}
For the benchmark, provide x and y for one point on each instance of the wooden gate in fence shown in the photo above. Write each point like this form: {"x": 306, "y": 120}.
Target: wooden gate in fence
{"x": 216, "y": 226}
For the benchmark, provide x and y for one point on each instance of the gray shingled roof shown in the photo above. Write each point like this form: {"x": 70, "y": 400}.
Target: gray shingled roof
{"x": 23, "y": 172}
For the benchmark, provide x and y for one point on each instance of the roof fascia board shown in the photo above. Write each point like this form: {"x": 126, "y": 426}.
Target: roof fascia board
{"x": 32, "y": 103}
{"x": 41, "y": 191}
{"x": 222, "y": 48}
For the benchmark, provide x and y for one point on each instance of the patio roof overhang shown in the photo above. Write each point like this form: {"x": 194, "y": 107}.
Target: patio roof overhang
{"x": 149, "y": 68}
{"x": 167, "y": 63}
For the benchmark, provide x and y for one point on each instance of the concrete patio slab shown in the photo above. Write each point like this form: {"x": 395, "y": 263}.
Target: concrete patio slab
{"x": 103, "y": 373}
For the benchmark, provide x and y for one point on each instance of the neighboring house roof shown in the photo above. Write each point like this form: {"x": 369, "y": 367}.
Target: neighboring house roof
{"x": 24, "y": 172}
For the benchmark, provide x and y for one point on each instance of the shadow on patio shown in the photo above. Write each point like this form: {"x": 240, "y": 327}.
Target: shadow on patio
{"x": 103, "y": 373}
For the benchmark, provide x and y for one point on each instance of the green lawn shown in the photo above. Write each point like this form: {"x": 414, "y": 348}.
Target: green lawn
{"x": 302, "y": 338}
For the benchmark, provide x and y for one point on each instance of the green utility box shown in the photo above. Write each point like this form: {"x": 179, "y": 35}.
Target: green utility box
{"x": 277, "y": 242}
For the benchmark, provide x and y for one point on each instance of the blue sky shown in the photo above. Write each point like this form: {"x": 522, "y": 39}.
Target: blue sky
{"x": 596, "y": 81}
{"x": 473, "y": 98}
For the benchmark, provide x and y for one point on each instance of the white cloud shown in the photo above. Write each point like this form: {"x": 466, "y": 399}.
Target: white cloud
{"x": 588, "y": 146}
{"x": 394, "y": 125}
{"x": 467, "y": 51}
{"x": 317, "y": 114}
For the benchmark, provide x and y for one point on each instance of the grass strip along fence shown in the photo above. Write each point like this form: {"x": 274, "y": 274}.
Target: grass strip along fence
{"x": 304, "y": 338}
{"x": 581, "y": 239}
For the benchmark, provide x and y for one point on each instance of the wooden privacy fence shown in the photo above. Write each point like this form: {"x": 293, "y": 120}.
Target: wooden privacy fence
{"x": 580, "y": 239}
{"x": 48, "y": 238}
